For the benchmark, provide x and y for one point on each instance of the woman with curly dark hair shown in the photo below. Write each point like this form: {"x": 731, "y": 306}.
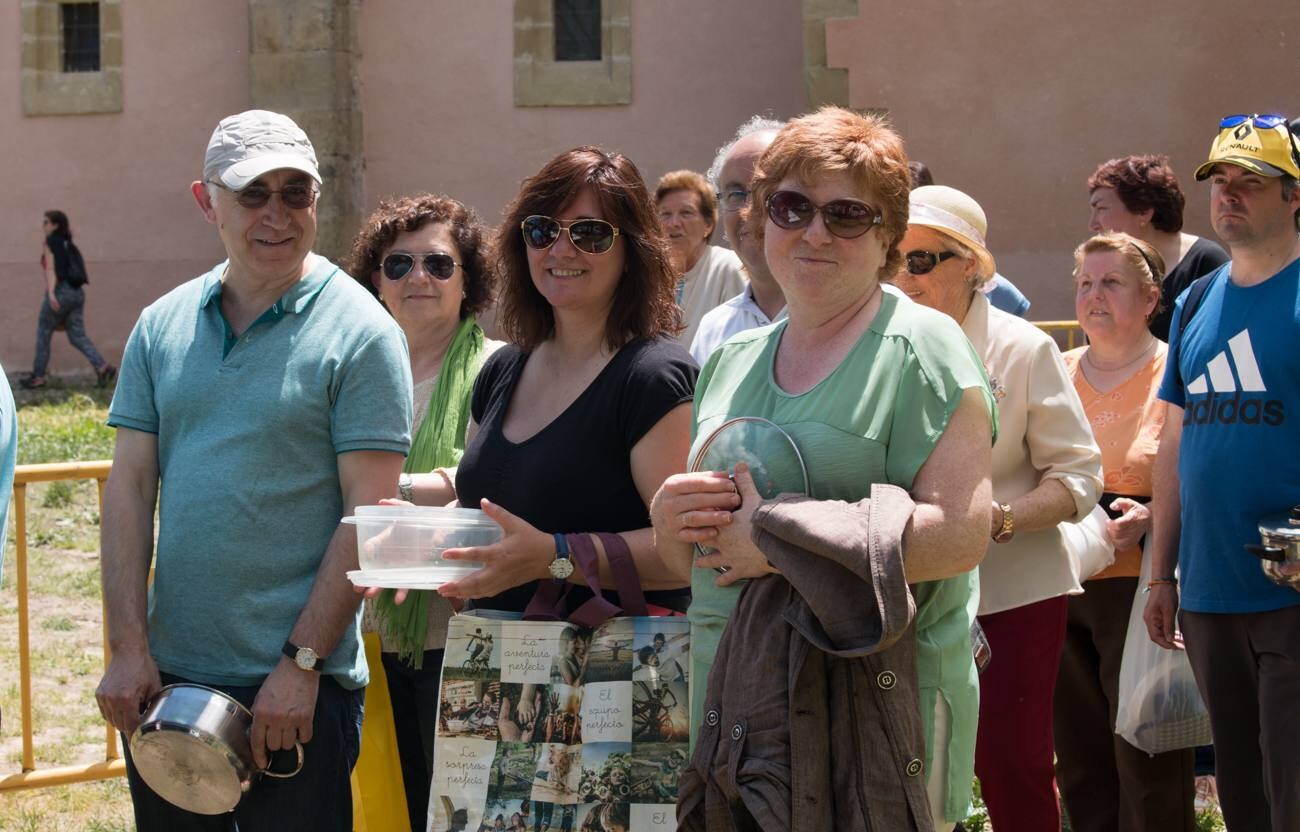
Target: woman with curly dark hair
{"x": 587, "y": 411}
{"x": 1139, "y": 196}
{"x": 423, "y": 257}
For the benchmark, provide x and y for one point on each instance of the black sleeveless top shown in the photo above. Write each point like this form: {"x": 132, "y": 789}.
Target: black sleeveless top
{"x": 575, "y": 474}
{"x": 58, "y": 246}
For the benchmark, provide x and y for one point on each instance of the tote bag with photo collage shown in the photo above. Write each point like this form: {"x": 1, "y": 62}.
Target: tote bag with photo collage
{"x": 577, "y": 724}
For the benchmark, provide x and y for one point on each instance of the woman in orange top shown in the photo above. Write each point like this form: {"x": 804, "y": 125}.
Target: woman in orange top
{"x": 1108, "y": 784}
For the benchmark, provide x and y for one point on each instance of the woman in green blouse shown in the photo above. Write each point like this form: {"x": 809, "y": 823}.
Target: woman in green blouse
{"x": 872, "y": 388}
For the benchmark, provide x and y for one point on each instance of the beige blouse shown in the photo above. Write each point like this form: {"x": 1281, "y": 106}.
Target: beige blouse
{"x": 1042, "y": 434}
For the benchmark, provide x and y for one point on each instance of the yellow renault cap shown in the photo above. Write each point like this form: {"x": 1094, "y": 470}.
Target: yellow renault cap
{"x": 1258, "y": 143}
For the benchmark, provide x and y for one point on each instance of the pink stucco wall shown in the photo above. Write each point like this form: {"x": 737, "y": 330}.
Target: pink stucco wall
{"x": 1013, "y": 101}
{"x": 437, "y": 87}
{"x": 437, "y": 97}
{"x": 122, "y": 178}
{"x": 1017, "y": 103}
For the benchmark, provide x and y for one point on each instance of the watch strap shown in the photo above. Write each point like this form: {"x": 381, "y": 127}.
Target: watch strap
{"x": 1008, "y": 529}
{"x": 405, "y": 487}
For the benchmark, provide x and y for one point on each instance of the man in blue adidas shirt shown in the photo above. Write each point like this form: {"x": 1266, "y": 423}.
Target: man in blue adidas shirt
{"x": 1229, "y": 455}
{"x": 257, "y": 404}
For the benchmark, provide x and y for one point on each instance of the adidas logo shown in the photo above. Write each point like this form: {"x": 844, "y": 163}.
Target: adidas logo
{"x": 1219, "y": 381}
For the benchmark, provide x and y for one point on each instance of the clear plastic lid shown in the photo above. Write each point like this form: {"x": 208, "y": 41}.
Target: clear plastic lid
{"x": 430, "y": 517}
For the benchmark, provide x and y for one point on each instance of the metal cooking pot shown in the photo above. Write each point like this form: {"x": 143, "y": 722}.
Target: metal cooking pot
{"x": 1279, "y": 547}
{"x": 192, "y": 748}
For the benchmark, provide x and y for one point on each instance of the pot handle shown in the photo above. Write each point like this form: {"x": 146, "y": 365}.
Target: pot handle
{"x": 269, "y": 773}
{"x": 1274, "y": 553}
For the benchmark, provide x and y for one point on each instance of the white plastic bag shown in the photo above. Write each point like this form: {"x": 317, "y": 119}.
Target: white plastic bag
{"x": 1088, "y": 546}
{"x": 1160, "y": 708}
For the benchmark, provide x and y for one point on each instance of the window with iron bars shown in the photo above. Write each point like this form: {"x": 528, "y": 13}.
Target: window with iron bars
{"x": 79, "y": 24}
{"x": 577, "y": 30}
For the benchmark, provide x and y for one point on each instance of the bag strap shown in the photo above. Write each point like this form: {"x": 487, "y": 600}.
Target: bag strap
{"x": 626, "y": 578}
{"x": 547, "y": 603}
{"x": 1195, "y": 294}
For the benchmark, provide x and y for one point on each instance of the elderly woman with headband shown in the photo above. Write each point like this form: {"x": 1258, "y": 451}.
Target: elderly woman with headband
{"x": 1046, "y": 470}
{"x": 872, "y": 389}
{"x": 1106, "y": 783}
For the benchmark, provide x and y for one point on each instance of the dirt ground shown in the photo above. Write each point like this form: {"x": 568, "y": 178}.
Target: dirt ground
{"x": 67, "y": 661}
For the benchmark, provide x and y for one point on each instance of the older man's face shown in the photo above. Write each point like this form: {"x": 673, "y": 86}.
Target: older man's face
{"x": 271, "y": 243}
{"x": 737, "y": 171}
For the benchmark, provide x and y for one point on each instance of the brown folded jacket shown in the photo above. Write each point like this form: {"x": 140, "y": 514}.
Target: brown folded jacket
{"x": 811, "y": 719}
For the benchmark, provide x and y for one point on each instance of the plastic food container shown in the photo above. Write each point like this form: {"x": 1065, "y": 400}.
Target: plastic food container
{"x": 402, "y": 546}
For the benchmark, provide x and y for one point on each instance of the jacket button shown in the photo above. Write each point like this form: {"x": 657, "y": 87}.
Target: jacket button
{"x": 886, "y": 679}
{"x": 737, "y": 732}
{"x": 711, "y": 718}
{"x": 913, "y": 768}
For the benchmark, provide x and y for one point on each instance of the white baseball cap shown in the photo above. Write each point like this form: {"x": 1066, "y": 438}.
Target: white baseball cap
{"x": 251, "y": 143}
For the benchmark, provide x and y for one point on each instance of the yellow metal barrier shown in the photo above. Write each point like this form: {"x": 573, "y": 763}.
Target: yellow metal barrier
{"x": 112, "y": 765}
{"x": 1073, "y": 334}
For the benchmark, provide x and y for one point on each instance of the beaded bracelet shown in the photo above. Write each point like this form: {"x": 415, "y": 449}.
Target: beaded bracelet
{"x": 1171, "y": 581}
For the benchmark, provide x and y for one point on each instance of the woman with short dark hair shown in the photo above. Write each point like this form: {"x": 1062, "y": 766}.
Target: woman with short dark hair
{"x": 1140, "y": 196}
{"x": 64, "y": 302}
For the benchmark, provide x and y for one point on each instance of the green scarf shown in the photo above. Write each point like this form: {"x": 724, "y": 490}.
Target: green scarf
{"x": 439, "y": 443}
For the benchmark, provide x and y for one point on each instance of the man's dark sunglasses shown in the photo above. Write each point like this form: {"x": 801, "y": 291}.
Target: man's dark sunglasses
{"x": 296, "y": 196}
{"x": 924, "y": 262}
{"x": 591, "y": 236}
{"x": 845, "y": 218}
{"x": 436, "y": 264}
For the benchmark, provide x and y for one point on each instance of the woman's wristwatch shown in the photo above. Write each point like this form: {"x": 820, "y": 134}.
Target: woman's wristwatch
{"x": 405, "y": 487}
{"x": 1008, "y": 529}
{"x": 562, "y": 567}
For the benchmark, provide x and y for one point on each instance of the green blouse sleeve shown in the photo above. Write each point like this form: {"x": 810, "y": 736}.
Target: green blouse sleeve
{"x": 939, "y": 364}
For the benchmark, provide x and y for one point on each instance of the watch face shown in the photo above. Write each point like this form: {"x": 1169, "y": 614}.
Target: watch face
{"x": 561, "y": 568}
{"x": 306, "y": 658}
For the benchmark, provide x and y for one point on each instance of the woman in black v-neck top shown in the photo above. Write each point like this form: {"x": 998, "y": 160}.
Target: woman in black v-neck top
{"x": 581, "y": 260}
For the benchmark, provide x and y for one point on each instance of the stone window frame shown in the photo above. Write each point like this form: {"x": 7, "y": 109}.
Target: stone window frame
{"x": 542, "y": 81}
{"x": 49, "y": 91}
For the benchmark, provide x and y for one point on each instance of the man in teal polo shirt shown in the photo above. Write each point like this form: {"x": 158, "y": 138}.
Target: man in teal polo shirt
{"x": 262, "y": 402}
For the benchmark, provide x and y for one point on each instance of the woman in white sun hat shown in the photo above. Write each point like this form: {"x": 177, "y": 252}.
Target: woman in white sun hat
{"x": 1046, "y": 470}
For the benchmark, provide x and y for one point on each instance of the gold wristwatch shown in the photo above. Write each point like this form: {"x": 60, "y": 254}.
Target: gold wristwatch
{"x": 1008, "y": 529}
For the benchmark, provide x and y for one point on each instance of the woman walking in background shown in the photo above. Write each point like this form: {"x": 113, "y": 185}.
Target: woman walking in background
{"x": 65, "y": 275}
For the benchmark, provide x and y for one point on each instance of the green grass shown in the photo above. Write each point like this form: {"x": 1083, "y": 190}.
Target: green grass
{"x": 63, "y": 424}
